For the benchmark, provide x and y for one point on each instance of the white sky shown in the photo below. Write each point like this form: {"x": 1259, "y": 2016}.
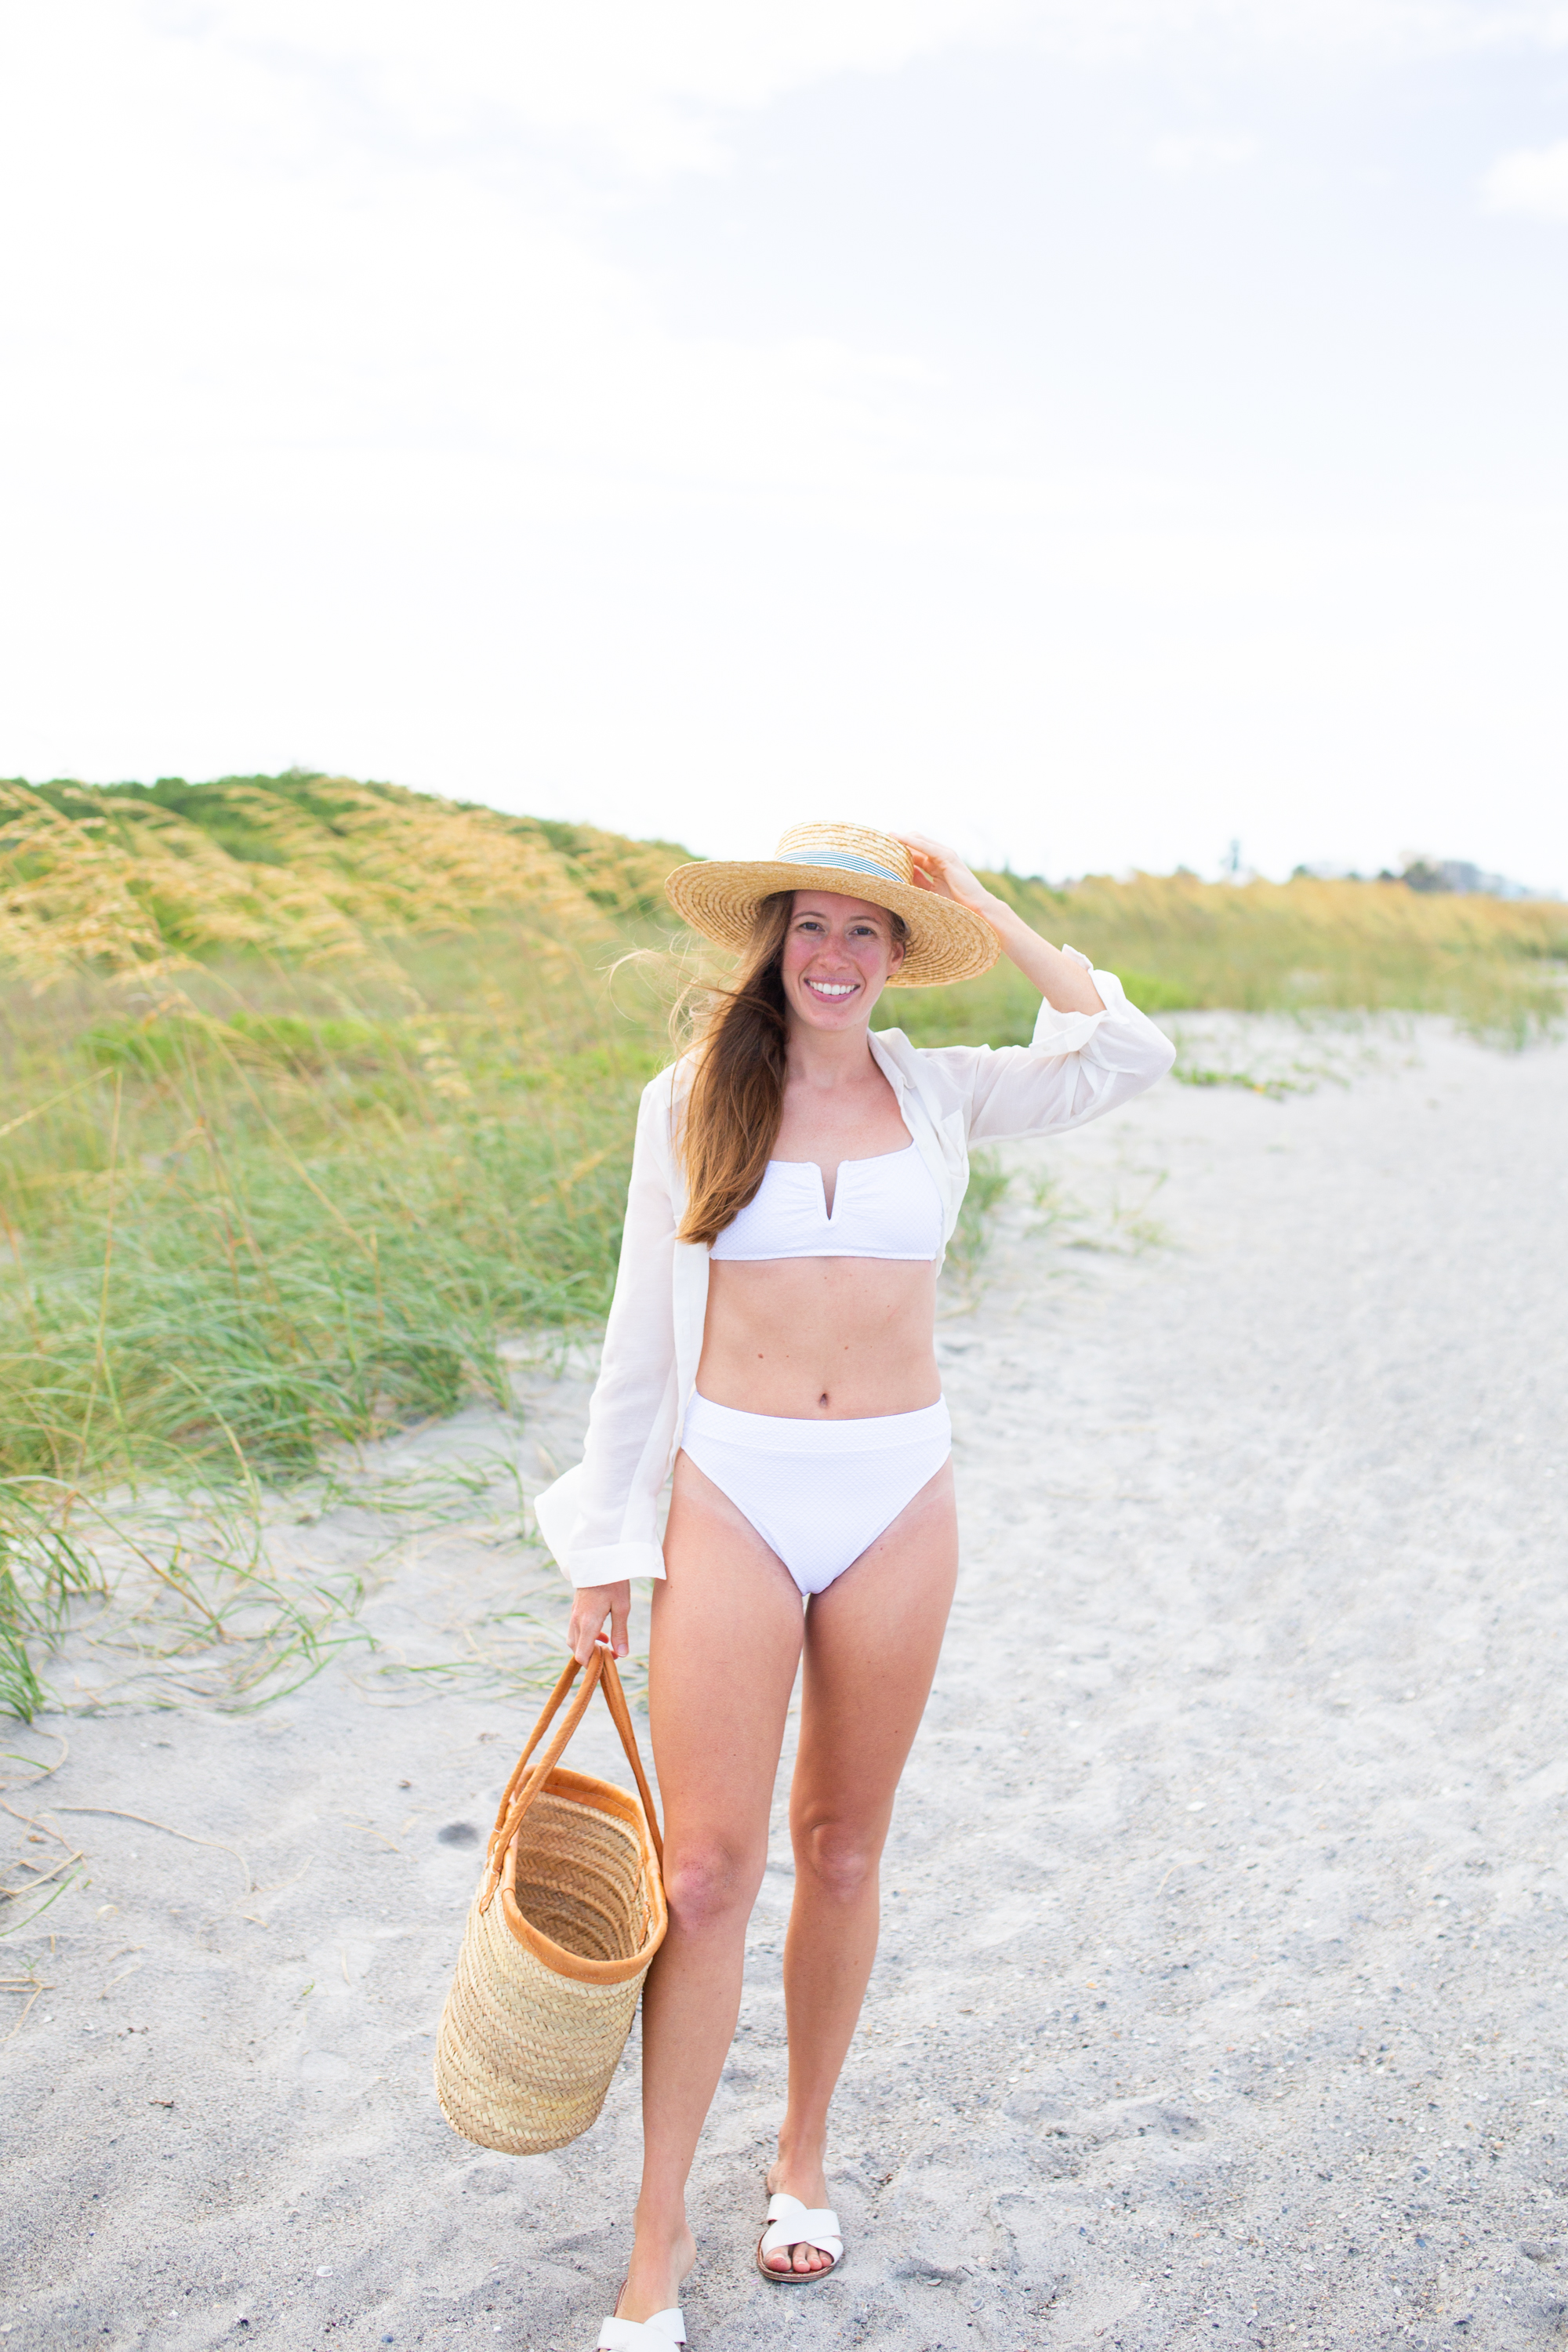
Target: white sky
{"x": 1085, "y": 429}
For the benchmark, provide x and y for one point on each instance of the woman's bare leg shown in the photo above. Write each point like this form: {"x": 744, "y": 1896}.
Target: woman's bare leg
{"x": 727, "y": 1631}
{"x": 872, "y": 1641}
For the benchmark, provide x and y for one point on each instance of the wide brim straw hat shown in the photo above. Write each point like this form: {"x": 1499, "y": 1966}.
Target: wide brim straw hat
{"x": 720, "y": 897}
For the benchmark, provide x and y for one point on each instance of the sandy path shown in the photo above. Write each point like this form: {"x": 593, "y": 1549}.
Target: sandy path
{"x": 1221, "y": 1997}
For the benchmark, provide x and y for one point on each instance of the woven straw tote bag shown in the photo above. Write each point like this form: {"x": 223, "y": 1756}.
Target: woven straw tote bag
{"x": 568, "y": 1916}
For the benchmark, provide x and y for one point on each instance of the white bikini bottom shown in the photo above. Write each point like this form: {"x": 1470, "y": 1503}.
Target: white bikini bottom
{"x": 817, "y": 1492}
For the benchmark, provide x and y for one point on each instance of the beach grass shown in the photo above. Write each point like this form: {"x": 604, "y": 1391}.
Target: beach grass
{"x": 316, "y": 1091}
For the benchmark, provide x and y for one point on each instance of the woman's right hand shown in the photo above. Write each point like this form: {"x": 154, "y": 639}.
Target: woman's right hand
{"x": 594, "y": 1603}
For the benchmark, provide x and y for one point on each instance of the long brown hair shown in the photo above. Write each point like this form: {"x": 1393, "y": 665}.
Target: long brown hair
{"x": 735, "y": 1105}
{"x": 736, "y": 1101}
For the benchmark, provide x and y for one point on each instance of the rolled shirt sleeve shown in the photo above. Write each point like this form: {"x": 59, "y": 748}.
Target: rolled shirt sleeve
{"x": 1076, "y": 1066}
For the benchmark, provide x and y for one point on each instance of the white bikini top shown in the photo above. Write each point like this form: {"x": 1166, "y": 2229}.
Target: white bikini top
{"x": 886, "y": 1207}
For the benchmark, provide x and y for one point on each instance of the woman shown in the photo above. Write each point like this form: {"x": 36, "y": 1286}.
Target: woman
{"x": 795, "y": 1182}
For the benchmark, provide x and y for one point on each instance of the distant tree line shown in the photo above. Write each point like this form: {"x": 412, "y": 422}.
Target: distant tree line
{"x": 1454, "y": 875}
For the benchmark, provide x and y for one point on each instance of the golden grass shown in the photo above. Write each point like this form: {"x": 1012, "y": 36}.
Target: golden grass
{"x": 320, "y": 872}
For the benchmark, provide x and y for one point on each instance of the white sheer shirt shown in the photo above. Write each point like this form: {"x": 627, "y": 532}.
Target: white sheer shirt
{"x": 601, "y": 1519}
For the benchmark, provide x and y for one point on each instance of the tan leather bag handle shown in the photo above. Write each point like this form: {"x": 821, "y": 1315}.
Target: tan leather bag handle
{"x": 521, "y": 1791}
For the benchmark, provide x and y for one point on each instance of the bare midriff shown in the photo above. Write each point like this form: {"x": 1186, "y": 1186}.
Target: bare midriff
{"x": 820, "y": 1339}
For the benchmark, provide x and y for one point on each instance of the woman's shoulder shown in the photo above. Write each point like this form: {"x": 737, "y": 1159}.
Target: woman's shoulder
{"x": 936, "y": 1072}
{"x": 675, "y": 1076}
{"x": 666, "y": 1087}
{"x": 918, "y": 1061}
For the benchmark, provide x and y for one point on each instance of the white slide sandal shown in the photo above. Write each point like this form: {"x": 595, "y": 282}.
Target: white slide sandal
{"x": 791, "y": 2223}
{"x": 655, "y": 2334}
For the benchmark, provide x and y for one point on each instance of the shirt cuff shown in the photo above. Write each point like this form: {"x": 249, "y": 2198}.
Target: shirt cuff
{"x": 613, "y": 1563}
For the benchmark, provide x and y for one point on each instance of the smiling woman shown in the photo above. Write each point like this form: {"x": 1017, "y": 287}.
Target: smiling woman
{"x": 772, "y": 1344}
{"x": 736, "y": 1102}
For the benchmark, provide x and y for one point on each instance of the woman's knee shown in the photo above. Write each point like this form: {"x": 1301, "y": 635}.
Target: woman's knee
{"x": 706, "y": 1880}
{"x": 841, "y": 1856}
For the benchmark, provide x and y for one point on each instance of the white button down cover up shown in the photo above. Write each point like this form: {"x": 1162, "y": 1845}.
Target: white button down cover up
{"x": 601, "y": 1519}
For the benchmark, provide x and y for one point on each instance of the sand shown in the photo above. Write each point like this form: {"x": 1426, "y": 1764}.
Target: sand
{"x": 1221, "y": 1998}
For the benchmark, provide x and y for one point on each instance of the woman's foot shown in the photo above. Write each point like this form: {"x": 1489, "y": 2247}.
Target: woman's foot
{"x": 660, "y": 2265}
{"x": 803, "y": 2177}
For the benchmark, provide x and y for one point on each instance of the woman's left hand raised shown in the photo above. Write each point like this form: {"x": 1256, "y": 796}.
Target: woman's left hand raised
{"x": 941, "y": 869}
{"x": 1059, "y": 980}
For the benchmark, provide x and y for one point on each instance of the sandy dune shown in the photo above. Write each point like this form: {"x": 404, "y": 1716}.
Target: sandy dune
{"x": 1222, "y": 1993}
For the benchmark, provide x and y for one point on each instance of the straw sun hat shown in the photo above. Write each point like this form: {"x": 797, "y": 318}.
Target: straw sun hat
{"x": 946, "y": 941}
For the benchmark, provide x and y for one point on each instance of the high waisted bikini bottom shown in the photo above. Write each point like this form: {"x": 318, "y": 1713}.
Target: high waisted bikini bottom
{"x": 817, "y": 1492}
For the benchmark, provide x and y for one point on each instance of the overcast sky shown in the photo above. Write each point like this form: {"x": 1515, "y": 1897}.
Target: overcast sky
{"x": 1090, "y": 430}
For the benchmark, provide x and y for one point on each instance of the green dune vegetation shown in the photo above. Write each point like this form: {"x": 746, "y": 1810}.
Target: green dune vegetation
{"x": 316, "y": 1090}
